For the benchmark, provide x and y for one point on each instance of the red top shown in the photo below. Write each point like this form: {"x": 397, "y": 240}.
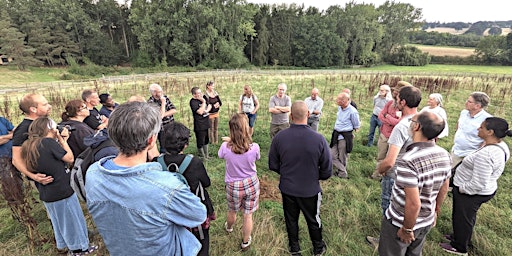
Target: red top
{"x": 390, "y": 119}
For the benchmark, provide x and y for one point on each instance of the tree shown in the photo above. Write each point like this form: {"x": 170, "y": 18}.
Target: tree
{"x": 409, "y": 56}
{"x": 491, "y": 50}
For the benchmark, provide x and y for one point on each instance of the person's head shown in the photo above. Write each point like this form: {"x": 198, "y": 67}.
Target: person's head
{"x": 247, "y": 90}
{"x": 75, "y": 108}
{"x": 494, "y": 126}
{"x": 106, "y": 100}
{"x": 434, "y": 100}
{"x": 343, "y": 100}
{"x": 90, "y": 97}
{"x": 428, "y": 123}
{"x": 136, "y": 98}
{"x": 196, "y": 92}
{"x": 314, "y": 93}
{"x": 239, "y": 133}
{"x": 210, "y": 85}
{"x": 40, "y": 128}
{"x": 175, "y": 138}
{"x": 156, "y": 91}
{"x": 347, "y": 91}
{"x": 396, "y": 89}
{"x": 385, "y": 92}
{"x": 299, "y": 112}
{"x": 477, "y": 101}
{"x": 35, "y": 105}
{"x": 281, "y": 90}
{"x": 409, "y": 96}
{"x": 134, "y": 126}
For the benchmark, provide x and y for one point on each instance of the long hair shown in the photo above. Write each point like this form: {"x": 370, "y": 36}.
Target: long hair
{"x": 249, "y": 91}
{"x": 239, "y": 134}
{"x": 73, "y": 107}
{"x": 36, "y": 132}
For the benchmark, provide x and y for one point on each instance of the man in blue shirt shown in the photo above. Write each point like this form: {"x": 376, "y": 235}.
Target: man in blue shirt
{"x": 347, "y": 121}
{"x": 6, "y": 129}
{"x": 138, "y": 208}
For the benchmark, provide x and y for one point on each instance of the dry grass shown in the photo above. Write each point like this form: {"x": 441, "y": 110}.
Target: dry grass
{"x": 446, "y": 51}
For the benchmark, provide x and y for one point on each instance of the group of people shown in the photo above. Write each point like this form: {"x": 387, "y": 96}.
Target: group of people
{"x": 415, "y": 173}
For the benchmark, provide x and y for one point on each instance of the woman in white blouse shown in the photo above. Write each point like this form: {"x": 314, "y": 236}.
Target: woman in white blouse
{"x": 435, "y": 105}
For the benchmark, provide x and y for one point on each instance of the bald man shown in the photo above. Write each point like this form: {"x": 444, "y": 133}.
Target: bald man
{"x": 347, "y": 121}
{"x": 296, "y": 153}
{"x": 315, "y": 105}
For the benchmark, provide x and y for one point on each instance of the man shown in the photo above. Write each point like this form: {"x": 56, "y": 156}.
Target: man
{"x": 466, "y": 138}
{"x": 33, "y": 107}
{"x": 347, "y": 121}
{"x": 95, "y": 120}
{"x": 167, "y": 109}
{"x": 347, "y": 91}
{"x": 6, "y": 131}
{"x": 279, "y": 108}
{"x": 200, "y": 112}
{"x": 108, "y": 104}
{"x": 315, "y": 105}
{"x": 407, "y": 101}
{"x": 422, "y": 179}
{"x": 294, "y": 161}
{"x": 119, "y": 187}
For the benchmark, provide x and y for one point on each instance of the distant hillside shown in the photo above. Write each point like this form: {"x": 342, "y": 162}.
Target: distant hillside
{"x": 481, "y": 28}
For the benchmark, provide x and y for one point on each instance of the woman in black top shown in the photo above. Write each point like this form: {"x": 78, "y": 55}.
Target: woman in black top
{"x": 212, "y": 98}
{"x": 47, "y": 151}
{"x": 200, "y": 110}
{"x": 76, "y": 112}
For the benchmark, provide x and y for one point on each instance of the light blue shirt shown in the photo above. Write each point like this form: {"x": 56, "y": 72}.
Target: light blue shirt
{"x": 314, "y": 105}
{"x": 346, "y": 120}
{"x": 466, "y": 138}
{"x": 143, "y": 210}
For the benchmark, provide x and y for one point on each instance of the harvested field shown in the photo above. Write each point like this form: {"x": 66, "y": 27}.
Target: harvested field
{"x": 446, "y": 51}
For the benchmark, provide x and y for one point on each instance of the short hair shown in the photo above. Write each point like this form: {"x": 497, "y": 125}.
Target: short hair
{"x": 87, "y": 93}
{"x": 499, "y": 126}
{"x": 72, "y": 109}
{"x": 431, "y": 124}
{"x": 154, "y": 87}
{"x": 299, "y": 110}
{"x": 132, "y": 124}
{"x": 411, "y": 95}
{"x": 27, "y": 102}
{"x": 438, "y": 97}
{"x": 104, "y": 97}
{"x": 481, "y": 98}
{"x": 176, "y": 136}
{"x": 283, "y": 85}
{"x": 194, "y": 90}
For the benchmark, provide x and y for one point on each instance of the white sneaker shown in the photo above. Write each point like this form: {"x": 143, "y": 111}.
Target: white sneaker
{"x": 245, "y": 246}
{"x": 229, "y": 230}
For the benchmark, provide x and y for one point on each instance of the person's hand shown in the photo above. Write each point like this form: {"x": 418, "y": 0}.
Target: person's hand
{"x": 216, "y": 105}
{"x": 226, "y": 139}
{"x": 104, "y": 119}
{"x": 405, "y": 237}
{"x": 42, "y": 178}
{"x": 162, "y": 100}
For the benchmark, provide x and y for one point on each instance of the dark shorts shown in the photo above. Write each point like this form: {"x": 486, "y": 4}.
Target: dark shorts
{"x": 252, "y": 119}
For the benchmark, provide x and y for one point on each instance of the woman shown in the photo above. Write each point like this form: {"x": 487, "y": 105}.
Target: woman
{"x": 475, "y": 182}
{"x": 212, "y": 98}
{"x": 76, "y": 112}
{"x": 435, "y": 105}
{"x": 242, "y": 183}
{"x": 200, "y": 112}
{"x": 47, "y": 151}
{"x": 176, "y": 138}
{"x": 249, "y": 105}
{"x": 379, "y": 101}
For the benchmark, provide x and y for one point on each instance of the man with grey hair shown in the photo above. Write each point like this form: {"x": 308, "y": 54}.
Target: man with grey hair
{"x": 466, "y": 138}
{"x": 279, "y": 108}
{"x": 118, "y": 189}
{"x": 315, "y": 105}
{"x": 167, "y": 109}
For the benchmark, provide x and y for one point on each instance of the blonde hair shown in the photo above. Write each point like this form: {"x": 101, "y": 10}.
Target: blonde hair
{"x": 239, "y": 133}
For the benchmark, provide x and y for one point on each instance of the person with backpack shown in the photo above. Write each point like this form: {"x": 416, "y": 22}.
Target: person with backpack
{"x": 46, "y": 151}
{"x": 176, "y": 138}
{"x": 249, "y": 105}
{"x": 242, "y": 183}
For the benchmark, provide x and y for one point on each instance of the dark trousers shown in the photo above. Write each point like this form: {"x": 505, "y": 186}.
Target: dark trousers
{"x": 205, "y": 242}
{"x": 464, "y": 212}
{"x": 201, "y": 138}
{"x": 310, "y": 207}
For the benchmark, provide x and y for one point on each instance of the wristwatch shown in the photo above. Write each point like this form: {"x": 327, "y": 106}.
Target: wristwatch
{"x": 407, "y": 230}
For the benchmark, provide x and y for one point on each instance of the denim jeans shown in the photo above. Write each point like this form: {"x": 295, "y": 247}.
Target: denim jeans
{"x": 374, "y": 123}
{"x": 386, "y": 185}
{"x": 68, "y": 223}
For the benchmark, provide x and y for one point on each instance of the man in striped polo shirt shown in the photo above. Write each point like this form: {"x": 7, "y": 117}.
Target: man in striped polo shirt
{"x": 422, "y": 179}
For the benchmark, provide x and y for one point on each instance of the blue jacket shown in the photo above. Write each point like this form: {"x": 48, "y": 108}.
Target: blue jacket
{"x": 143, "y": 210}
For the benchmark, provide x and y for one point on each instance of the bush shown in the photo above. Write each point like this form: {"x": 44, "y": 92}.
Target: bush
{"x": 410, "y": 56}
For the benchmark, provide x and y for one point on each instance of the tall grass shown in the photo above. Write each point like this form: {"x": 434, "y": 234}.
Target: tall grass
{"x": 350, "y": 208}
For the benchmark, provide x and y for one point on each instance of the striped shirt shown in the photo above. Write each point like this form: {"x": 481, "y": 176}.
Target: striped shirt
{"x": 426, "y": 166}
{"x": 479, "y": 171}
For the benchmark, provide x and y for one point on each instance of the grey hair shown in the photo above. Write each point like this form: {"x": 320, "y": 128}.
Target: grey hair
{"x": 438, "y": 97}
{"x": 132, "y": 124}
{"x": 284, "y": 85}
{"x": 481, "y": 98}
{"x": 154, "y": 87}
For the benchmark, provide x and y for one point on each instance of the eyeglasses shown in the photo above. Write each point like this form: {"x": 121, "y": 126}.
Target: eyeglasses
{"x": 414, "y": 121}
{"x": 83, "y": 107}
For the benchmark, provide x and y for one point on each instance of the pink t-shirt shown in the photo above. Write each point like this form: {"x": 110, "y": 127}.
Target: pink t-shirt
{"x": 239, "y": 166}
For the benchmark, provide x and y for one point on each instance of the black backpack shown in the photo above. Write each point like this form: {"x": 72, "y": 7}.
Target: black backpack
{"x": 82, "y": 163}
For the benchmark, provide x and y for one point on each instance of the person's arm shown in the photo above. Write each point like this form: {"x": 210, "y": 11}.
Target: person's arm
{"x": 204, "y": 107}
{"x": 6, "y": 138}
{"x": 256, "y": 105}
{"x": 390, "y": 159}
{"x": 240, "y": 103}
{"x": 20, "y": 165}
{"x": 184, "y": 208}
{"x": 443, "y": 191}
{"x": 273, "y": 158}
{"x": 63, "y": 141}
{"x": 411, "y": 212}
{"x": 325, "y": 163}
{"x": 318, "y": 110}
{"x": 482, "y": 171}
{"x": 202, "y": 174}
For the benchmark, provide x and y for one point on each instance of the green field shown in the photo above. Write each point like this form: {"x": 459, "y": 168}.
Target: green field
{"x": 350, "y": 208}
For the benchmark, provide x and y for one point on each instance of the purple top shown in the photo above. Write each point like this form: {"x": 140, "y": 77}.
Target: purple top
{"x": 239, "y": 166}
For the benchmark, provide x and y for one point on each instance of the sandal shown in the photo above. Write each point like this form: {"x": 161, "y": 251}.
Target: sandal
{"x": 89, "y": 250}
{"x": 229, "y": 230}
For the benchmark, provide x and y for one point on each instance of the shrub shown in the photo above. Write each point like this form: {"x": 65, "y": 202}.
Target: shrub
{"x": 410, "y": 56}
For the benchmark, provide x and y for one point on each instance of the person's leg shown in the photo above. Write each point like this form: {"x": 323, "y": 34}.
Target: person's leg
{"x": 310, "y": 207}
{"x": 416, "y": 247}
{"x": 343, "y": 157}
{"x": 250, "y": 205}
{"x": 389, "y": 243}
{"x": 291, "y": 217}
{"x": 247, "y": 227}
{"x": 216, "y": 129}
{"x": 231, "y": 219}
{"x": 386, "y": 185}
{"x": 371, "y": 134}
{"x": 273, "y": 130}
{"x": 211, "y": 129}
{"x": 335, "y": 160}
{"x": 382, "y": 150}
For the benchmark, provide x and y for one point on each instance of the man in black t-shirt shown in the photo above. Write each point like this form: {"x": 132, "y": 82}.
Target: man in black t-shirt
{"x": 95, "y": 120}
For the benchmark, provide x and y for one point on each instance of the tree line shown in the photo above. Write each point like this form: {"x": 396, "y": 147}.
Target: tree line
{"x": 203, "y": 33}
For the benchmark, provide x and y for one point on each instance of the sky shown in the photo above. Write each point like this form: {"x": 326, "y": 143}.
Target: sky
{"x": 433, "y": 10}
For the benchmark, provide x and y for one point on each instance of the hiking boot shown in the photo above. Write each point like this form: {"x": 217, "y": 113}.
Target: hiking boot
{"x": 373, "y": 241}
{"x": 447, "y": 247}
{"x": 322, "y": 252}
